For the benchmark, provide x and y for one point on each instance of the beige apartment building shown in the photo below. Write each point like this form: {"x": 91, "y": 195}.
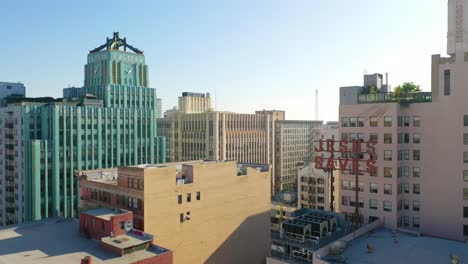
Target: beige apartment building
{"x": 422, "y": 145}
{"x": 314, "y": 188}
{"x": 205, "y": 212}
{"x": 294, "y": 141}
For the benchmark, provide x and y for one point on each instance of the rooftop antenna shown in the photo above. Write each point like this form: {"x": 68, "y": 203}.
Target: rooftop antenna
{"x": 316, "y": 105}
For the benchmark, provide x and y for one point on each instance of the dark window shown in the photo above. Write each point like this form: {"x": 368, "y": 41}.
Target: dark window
{"x": 447, "y": 82}
{"x": 198, "y": 196}
{"x": 465, "y": 230}
{"x": 179, "y": 199}
{"x": 465, "y": 120}
{"x": 189, "y": 197}
{"x": 122, "y": 225}
{"x": 465, "y": 211}
{"x": 187, "y": 216}
{"x": 182, "y": 218}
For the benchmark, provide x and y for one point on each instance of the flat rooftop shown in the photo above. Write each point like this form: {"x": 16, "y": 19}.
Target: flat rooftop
{"x": 408, "y": 249}
{"x": 104, "y": 213}
{"x": 125, "y": 241}
{"x": 57, "y": 241}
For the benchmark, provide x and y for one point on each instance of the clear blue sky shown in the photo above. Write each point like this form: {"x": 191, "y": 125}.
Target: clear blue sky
{"x": 255, "y": 54}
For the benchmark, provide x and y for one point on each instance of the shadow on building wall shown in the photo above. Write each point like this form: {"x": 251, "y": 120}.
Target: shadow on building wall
{"x": 249, "y": 243}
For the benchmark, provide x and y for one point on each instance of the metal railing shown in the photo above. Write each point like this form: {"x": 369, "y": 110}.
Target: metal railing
{"x": 391, "y": 97}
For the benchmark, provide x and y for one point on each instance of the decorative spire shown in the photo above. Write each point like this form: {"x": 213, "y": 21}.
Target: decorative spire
{"x": 115, "y": 43}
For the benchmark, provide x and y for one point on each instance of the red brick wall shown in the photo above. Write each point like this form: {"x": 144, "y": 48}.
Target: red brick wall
{"x": 165, "y": 258}
{"x": 96, "y": 231}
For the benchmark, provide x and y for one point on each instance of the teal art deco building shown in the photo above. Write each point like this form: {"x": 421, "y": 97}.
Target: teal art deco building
{"x": 43, "y": 141}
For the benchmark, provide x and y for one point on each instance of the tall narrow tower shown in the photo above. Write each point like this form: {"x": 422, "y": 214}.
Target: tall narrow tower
{"x": 316, "y": 105}
{"x": 457, "y": 26}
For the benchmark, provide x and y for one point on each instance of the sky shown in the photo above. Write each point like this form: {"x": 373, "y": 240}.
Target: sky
{"x": 249, "y": 54}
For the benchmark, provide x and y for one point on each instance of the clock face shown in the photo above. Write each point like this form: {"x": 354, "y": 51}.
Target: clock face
{"x": 97, "y": 68}
{"x": 129, "y": 70}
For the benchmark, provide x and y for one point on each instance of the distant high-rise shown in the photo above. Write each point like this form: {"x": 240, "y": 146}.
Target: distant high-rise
{"x": 193, "y": 103}
{"x": 45, "y": 142}
{"x": 159, "y": 107}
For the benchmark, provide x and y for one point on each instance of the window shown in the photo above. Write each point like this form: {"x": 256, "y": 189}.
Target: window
{"x": 416, "y": 172}
{"x": 387, "y": 205}
{"x": 360, "y": 122}
{"x": 387, "y": 155}
{"x": 122, "y": 225}
{"x": 198, "y": 196}
{"x": 345, "y": 185}
{"x": 406, "y": 121}
{"x": 416, "y": 138}
{"x": 360, "y": 137}
{"x": 465, "y": 230}
{"x": 388, "y": 138}
{"x": 387, "y": 172}
{"x": 373, "y": 188}
{"x": 344, "y": 136}
{"x": 416, "y": 221}
{"x": 361, "y": 187}
{"x": 179, "y": 199}
{"x": 406, "y": 154}
{"x": 416, "y": 205}
{"x": 465, "y": 175}
{"x": 352, "y": 185}
{"x": 387, "y": 189}
{"x": 416, "y": 121}
{"x": 406, "y": 204}
{"x": 344, "y": 122}
{"x": 373, "y": 204}
{"x": 352, "y": 121}
{"x": 181, "y": 217}
{"x": 416, "y": 188}
{"x": 189, "y": 197}
{"x": 374, "y": 137}
{"x": 416, "y": 154}
{"x": 447, "y": 82}
{"x": 465, "y": 212}
{"x": 465, "y": 193}
{"x": 405, "y": 171}
{"x": 406, "y": 138}
{"x": 465, "y": 120}
{"x": 374, "y": 121}
{"x": 405, "y": 221}
{"x": 375, "y": 172}
{"x": 387, "y": 121}
{"x": 345, "y": 200}
{"x": 406, "y": 187}
{"x": 187, "y": 216}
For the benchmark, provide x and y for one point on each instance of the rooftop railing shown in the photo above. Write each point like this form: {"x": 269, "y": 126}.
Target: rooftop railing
{"x": 391, "y": 97}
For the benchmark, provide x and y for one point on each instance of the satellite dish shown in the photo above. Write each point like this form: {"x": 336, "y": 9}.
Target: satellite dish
{"x": 129, "y": 225}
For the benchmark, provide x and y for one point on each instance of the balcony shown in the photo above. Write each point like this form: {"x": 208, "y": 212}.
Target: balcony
{"x": 390, "y": 97}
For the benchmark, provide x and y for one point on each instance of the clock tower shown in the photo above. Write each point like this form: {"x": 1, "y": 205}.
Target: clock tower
{"x": 117, "y": 74}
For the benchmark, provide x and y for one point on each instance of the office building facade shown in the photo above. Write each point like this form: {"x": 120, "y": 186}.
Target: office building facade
{"x": 294, "y": 142}
{"x": 45, "y": 142}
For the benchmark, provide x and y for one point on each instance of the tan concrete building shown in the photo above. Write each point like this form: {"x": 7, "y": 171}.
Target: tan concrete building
{"x": 422, "y": 179}
{"x": 192, "y": 103}
{"x": 314, "y": 190}
{"x": 294, "y": 142}
{"x": 206, "y": 212}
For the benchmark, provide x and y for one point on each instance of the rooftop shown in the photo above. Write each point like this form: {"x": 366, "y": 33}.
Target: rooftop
{"x": 105, "y": 213}
{"x": 408, "y": 249}
{"x": 126, "y": 241}
{"x": 57, "y": 241}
